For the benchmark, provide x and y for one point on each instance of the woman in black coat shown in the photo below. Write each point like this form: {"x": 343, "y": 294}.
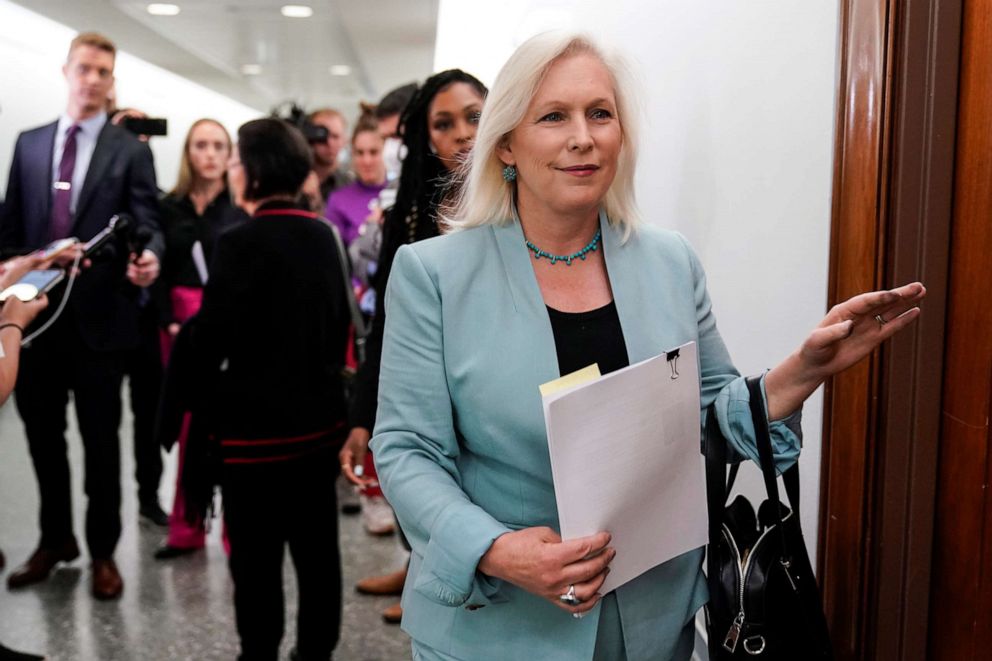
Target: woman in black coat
{"x": 273, "y": 328}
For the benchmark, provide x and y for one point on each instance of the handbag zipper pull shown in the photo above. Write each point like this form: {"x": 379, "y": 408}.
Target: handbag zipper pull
{"x": 786, "y": 565}
{"x": 730, "y": 642}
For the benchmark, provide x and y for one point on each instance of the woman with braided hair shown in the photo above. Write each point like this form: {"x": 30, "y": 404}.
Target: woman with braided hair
{"x": 438, "y": 129}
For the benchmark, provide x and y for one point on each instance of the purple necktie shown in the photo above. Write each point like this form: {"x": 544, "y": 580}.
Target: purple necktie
{"x": 61, "y": 221}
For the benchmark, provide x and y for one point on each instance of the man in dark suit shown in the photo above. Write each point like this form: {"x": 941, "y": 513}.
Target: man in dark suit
{"x": 67, "y": 179}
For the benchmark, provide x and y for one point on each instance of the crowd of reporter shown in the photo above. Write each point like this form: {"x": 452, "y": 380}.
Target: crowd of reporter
{"x": 176, "y": 302}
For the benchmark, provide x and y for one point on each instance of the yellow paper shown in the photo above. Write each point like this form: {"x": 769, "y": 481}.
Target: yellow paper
{"x": 577, "y": 378}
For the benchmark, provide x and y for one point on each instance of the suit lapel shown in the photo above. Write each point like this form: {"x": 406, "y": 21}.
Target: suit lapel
{"x": 527, "y": 300}
{"x": 628, "y": 283}
{"x": 103, "y": 154}
{"x": 46, "y": 149}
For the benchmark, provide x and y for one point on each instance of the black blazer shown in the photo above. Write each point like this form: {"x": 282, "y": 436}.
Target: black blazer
{"x": 120, "y": 179}
{"x": 275, "y": 316}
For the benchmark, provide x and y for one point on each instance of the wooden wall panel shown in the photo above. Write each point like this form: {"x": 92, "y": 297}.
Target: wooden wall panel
{"x": 860, "y": 163}
{"x": 893, "y": 190}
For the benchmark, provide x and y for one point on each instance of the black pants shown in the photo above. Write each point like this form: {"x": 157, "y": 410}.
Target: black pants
{"x": 267, "y": 506}
{"x": 59, "y": 362}
{"x": 145, "y": 372}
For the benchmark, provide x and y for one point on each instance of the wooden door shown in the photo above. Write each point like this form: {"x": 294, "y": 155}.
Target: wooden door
{"x": 906, "y": 534}
{"x": 960, "y": 610}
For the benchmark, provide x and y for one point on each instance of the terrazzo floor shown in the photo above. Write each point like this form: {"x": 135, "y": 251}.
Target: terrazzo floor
{"x": 180, "y": 609}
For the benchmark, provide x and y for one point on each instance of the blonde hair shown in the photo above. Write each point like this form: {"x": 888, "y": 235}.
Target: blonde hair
{"x": 329, "y": 112}
{"x": 94, "y": 39}
{"x": 485, "y": 197}
{"x": 184, "y": 183}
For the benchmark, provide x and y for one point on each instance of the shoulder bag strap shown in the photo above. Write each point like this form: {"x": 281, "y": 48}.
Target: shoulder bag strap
{"x": 764, "y": 443}
{"x": 357, "y": 319}
{"x": 361, "y": 330}
{"x": 714, "y": 446}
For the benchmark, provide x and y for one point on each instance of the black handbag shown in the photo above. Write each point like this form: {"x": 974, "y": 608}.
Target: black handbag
{"x": 764, "y": 601}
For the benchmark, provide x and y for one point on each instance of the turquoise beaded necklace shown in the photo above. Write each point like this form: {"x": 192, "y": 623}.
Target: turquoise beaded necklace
{"x": 590, "y": 247}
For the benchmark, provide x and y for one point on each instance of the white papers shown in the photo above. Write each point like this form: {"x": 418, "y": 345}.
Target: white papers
{"x": 625, "y": 457}
{"x": 200, "y": 262}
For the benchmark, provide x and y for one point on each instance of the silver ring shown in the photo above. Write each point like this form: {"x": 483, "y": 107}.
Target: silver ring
{"x": 880, "y": 320}
{"x": 569, "y": 597}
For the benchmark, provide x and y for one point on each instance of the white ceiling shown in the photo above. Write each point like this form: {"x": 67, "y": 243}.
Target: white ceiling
{"x": 385, "y": 42}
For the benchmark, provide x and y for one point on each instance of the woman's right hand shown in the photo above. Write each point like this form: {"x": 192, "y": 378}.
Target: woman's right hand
{"x": 537, "y": 560}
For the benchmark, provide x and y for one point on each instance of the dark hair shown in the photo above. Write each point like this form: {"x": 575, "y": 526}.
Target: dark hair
{"x": 395, "y": 101}
{"x": 424, "y": 181}
{"x": 275, "y": 157}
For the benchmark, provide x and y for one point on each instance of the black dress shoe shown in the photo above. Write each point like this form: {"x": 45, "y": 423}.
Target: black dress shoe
{"x": 167, "y": 552}
{"x": 153, "y": 514}
{"x": 40, "y": 564}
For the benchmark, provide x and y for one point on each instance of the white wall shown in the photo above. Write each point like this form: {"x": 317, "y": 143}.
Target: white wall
{"x": 736, "y": 151}
{"x": 33, "y": 92}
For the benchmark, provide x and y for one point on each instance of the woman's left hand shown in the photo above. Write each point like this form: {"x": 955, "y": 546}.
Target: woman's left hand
{"x": 849, "y": 332}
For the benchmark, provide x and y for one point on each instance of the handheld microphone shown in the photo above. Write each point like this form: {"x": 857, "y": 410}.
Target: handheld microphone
{"x": 138, "y": 239}
{"x": 118, "y": 225}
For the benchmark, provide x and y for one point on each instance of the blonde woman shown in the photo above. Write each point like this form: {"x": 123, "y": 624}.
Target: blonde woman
{"x": 548, "y": 272}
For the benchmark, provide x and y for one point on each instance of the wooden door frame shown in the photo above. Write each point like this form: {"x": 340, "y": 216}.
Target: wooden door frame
{"x": 891, "y": 220}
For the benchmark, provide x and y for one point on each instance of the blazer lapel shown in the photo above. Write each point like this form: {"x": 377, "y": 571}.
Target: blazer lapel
{"x": 103, "y": 154}
{"x": 632, "y": 299}
{"x": 527, "y": 299}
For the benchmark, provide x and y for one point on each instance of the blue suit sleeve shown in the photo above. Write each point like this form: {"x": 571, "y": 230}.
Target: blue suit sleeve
{"x": 723, "y": 385}
{"x": 416, "y": 448}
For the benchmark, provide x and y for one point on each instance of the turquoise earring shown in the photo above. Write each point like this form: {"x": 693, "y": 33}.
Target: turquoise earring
{"x": 509, "y": 173}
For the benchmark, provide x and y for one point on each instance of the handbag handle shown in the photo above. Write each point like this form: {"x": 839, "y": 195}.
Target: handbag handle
{"x": 718, "y": 486}
{"x": 763, "y": 440}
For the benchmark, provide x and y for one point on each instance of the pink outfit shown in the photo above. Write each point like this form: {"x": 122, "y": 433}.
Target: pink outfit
{"x": 185, "y": 303}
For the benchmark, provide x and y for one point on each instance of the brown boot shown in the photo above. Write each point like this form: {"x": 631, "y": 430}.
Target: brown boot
{"x": 107, "y": 581}
{"x": 388, "y": 584}
{"x": 40, "y": 564}
{"x": 393, "y": 614}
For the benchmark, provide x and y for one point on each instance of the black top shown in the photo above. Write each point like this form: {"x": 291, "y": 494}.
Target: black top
{"x": 584, "y": 338}
{"x": 183, "y": 227}
{"x": 275, "y": 322}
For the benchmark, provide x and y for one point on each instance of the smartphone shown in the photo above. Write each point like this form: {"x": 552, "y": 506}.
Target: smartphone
{"x": 146, "y": 125}
{"x": 33, "y": 284}
{"x": 56, "y": 247}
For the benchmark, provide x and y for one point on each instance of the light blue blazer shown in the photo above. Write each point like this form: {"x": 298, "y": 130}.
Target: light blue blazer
{"x": 460, "y": 442}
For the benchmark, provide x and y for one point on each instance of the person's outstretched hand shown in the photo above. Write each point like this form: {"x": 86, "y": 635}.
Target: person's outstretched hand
{"x": 849, "y": 332}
